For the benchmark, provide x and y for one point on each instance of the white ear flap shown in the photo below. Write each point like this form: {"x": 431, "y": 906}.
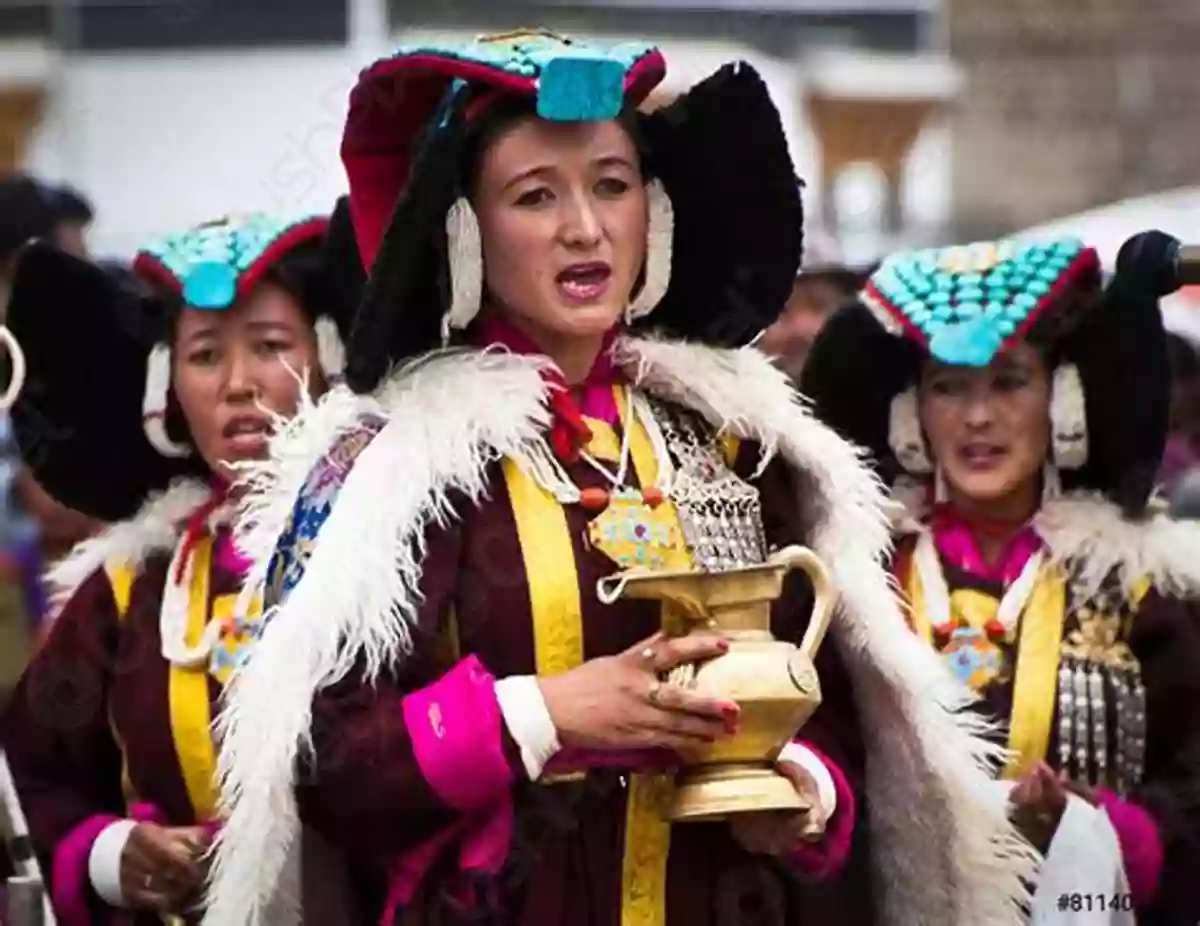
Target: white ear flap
{"x": 660, "y": 237}
{"x": 154, "y": 404}
{"x": 331, "y": 352}
{"x": 17, "y": 380}
{"x": 904, "y": 434}
{"x": 1068, "y": 419}
{"x": 465, "y": 252}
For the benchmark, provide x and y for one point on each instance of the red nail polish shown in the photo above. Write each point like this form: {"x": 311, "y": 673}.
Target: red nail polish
{"x": 723, "y": 646}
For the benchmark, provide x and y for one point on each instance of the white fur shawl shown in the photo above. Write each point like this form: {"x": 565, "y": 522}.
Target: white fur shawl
{"x": 155, "y": 528}
{"x": 944, "y": 851}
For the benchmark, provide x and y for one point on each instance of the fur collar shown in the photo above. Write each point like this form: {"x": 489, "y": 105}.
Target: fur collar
{"x": 1088, "y": 535}
{"x": 154, "y": 529}
{"x": 944, "y": 849}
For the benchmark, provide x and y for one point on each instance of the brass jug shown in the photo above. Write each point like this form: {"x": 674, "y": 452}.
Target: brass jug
{"x": 773, "y": 681}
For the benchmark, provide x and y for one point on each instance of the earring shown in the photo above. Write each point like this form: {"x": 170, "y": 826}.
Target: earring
{"x": 904, "y": 434}
{"x": 1068, "y": 419}
{"x": 154, "y": 404}
{"x": 660, "y": 237}
{"x": 941, "y": 494}
{"x": 331, "y": 352}
{"x": 465, "y": 252}
{"x": 1051, "y": 483}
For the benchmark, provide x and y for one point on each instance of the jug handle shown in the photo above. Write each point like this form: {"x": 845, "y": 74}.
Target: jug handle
{"x": 824, "y": 594}
{"x": 9, "y": 340}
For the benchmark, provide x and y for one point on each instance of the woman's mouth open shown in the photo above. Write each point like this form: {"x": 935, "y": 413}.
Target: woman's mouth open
{"x": 584, "y": 283}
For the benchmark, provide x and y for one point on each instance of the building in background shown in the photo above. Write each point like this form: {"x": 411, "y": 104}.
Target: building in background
{"x": 168, "y": 111}
{"x": 1070, "y": 104}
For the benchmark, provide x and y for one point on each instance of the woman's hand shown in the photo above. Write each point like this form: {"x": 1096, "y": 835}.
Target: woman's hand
{"x": 778, "y": 832}
{"x": 162, "y": 868}
{"x": 1037, "y": 803}
{"x": 618, "y": 702}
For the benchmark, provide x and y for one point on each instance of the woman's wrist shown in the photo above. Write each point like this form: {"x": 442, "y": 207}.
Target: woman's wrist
{"x": 523, "y": 707}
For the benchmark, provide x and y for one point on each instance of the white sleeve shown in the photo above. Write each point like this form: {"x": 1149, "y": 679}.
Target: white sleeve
{"x": 104, "y": 861}
{"x": 801, "y": 755}
{"x": 528, "y": 721}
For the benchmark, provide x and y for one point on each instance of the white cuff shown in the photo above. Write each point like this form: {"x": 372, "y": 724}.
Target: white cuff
{"x": 104, "y": 861}
{"x": 801, "y": 755}
{"x": 528, "y": 721}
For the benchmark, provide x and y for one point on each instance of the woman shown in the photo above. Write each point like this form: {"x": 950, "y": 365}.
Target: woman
{"x": 144, "y": 393}
{"x": 470, "y": 722}
{"x": 1025, "y": 429}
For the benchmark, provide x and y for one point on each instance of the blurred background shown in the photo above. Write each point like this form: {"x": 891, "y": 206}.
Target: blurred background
{"x": 912, "y": 121}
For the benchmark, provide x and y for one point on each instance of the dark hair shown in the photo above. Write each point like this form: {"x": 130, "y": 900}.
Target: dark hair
{"x": 500, "y": 115}
{"x": 32, "y": 209}
{"x": 298, "y": 273}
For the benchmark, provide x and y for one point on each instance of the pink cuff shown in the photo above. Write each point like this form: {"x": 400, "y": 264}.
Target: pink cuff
{"x": 70, "y": 889}
{"x": 1141, "y": 847}
{"x": 456, "y": 730}
{"x": 829, "y": 855}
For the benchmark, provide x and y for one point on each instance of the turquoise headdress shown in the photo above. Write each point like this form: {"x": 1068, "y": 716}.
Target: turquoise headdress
{"x": 966, "y": 304}
{"x": 213, "y": 265}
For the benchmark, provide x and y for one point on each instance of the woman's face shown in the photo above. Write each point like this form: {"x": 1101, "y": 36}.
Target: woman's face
{"x": 562, "y": 218}
{"x": 228, "y": 364}
{"x": 988, "y": 429}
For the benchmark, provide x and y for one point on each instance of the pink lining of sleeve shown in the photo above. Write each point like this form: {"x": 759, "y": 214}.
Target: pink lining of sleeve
{"x": 829, "y": 855}
{"x": 70, "y": 888}
{"x": 1141, "y": 846}
{"x": 456, "y": 728}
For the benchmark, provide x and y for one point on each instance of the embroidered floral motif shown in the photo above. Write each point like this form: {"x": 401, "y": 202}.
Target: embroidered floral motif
{"x": 313, "y": 506}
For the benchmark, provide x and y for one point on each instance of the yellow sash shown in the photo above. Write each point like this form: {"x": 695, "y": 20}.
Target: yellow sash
{"x": 548, "y": 553}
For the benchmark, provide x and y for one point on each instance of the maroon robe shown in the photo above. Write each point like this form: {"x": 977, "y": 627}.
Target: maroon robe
{"x": 94, "y": 699}
{"x": 366, "y": 793}
{"x": 1164, "y": 634}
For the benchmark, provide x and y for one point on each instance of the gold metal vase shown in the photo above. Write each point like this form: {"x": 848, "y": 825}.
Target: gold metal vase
{"x": 773, "y": 681}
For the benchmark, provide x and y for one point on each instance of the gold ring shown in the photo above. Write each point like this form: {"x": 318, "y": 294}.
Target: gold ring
{"x": 653, "y": 694}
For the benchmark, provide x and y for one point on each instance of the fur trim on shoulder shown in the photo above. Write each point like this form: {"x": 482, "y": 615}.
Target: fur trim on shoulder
{"x": 155, "y": 528}
{"x": 915, "y": 714}
{"x": 447, "y": 418}
{"x": 944, "y": 848}
{"x": 1089, "y": 532}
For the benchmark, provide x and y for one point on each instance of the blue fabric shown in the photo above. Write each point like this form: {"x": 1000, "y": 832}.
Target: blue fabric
{"x": 968, "y": 300}
{"x": 311, "y": 510}
{"x": 209, "y": 260}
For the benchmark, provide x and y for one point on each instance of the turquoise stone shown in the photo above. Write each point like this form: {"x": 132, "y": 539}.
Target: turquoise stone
{"x": 971, "y": 343}
{"x": 968, "y": 315}
{"x": 208, "y": 261}
{"x": 210, "y": 285}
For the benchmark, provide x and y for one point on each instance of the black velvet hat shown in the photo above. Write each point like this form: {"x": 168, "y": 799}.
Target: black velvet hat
{"x": 719, "y": 152}
{"x": 967, "y": 305}
{"x": 93, "y": 334}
